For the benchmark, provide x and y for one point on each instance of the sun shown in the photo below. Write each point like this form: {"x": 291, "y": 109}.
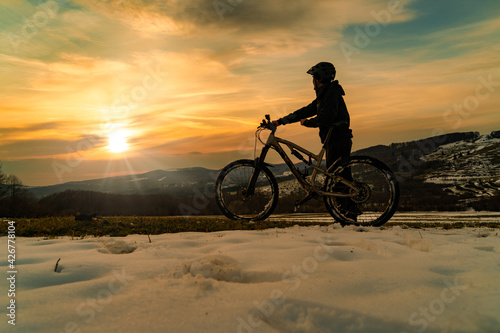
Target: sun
{"x": 117, "y": 141}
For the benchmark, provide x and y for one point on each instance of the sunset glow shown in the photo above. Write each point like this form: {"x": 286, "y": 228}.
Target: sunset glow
{"x": 117, "y": 141}
{"x": 191, "y": 81}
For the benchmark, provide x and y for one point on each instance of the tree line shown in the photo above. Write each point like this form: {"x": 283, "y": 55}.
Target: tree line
{"x": 17, "y": 201}
{"x": 14, "y": 196}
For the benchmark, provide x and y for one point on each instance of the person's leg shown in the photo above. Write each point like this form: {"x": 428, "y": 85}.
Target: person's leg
{"x": 342, "y": 149}
{"x": 338, "y": 149}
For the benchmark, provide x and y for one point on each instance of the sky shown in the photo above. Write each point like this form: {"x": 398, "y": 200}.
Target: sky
{"x": 92, "y": 88}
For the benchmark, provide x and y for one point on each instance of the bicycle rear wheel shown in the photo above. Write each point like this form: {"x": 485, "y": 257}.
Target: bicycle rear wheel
{"x": 230, "y": 192}
{"x": 378, "y": 196}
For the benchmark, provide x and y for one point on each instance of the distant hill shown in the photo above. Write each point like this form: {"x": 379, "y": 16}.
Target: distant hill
{"x": 153, "y": 182}
{"x": 457, "y": 169}
{"x": 447, "y": 159}
{"x": 464, "y": 167}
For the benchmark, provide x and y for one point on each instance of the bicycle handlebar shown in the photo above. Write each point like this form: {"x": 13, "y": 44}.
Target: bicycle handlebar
{"x": 267, "y": 123}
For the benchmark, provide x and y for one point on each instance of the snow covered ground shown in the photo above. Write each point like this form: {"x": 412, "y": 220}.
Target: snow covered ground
{"x": 408, "y": 217}
{"x": 299, "y": 279}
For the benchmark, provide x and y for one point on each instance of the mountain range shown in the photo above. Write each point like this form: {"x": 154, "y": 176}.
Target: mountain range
{"x": 465, "y": 165}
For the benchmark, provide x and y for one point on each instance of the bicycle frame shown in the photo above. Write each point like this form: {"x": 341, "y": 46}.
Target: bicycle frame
{"x": 310, "y": 188}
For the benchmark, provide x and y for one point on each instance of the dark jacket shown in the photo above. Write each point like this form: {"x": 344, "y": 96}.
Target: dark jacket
{"x": 330, "y": 111}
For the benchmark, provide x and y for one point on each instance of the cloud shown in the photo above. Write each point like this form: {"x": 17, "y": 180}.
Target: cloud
{"x": 256, "y": 27}
{"x": 39, "y": 148}
{"x": 88, "y": 68}
{"x": 176, "y": 16}
{"x": 50, "y": 127}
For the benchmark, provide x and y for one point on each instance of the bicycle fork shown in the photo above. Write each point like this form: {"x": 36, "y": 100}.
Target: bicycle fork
{"x": 258, "y": 162}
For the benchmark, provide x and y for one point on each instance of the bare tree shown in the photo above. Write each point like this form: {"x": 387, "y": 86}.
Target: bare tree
{"x": 14, "y": 185}
{"x": 3, "y": 180}
{"x": 16, "y": 196}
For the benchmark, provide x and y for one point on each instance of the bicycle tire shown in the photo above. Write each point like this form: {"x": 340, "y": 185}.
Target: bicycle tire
{"x": 233, "y": 180}
{"x": 378, "y": 200}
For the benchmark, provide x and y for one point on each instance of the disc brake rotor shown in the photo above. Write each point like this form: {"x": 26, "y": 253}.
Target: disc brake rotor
{"x": 364, "y": 193}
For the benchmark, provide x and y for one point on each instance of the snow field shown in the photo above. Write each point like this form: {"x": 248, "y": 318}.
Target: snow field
{"x": 299, "y": 279}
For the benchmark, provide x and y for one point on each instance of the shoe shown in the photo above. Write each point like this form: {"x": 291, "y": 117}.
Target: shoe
{"x": 355, "y": 210}
{"x": 352, "y": 213}
{"x": 352, "y": 217}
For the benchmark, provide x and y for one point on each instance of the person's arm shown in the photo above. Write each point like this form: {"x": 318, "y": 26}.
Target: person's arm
{"x": 327, "y": 111}
{"x": 305, "y": 112}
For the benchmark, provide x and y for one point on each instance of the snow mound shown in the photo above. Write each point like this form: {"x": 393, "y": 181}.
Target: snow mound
{"x": 220, "y": 268}
{"x": 296, "y": 316}
{"x": 226, "y": 269}
{"x": 117, "y": 247}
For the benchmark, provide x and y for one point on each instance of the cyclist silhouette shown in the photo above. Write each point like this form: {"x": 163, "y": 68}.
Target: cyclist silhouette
{"x": 355, "y": 189}
{"x": 329, "y": 110}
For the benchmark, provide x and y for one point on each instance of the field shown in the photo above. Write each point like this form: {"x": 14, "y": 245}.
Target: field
{"x": 122, "y": 226}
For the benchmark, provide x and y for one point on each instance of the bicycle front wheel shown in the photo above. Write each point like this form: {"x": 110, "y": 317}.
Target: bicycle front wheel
{"x": 231, "y": 192}
{"x": 377, "y": 196}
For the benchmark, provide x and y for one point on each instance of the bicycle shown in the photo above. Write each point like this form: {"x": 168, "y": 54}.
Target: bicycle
{"x": 360, "y": 190}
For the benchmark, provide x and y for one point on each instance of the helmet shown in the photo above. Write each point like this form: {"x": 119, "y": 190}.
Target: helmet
{"x": 324, "y": 72}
